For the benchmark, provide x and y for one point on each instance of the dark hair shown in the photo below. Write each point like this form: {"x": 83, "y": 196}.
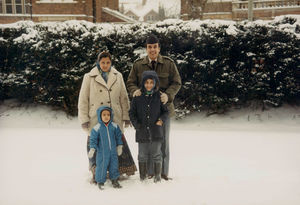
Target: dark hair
{"x": 104, "y": 54}
{"x": 152, "y": 39}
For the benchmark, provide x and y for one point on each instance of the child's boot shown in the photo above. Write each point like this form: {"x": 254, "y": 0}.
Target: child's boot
{"x": 101, "y": 186}
{"x": 143, "y": 170}
{"x": 157, "y": 172}
{"x": 116, "y": 184}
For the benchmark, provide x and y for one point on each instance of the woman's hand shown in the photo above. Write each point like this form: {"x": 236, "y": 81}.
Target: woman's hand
{"x": 159, "y": 123}
{"x": 127, "y": 123}
{"x": 85, "y": 125}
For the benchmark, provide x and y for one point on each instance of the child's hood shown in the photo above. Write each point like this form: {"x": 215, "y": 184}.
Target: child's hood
{"x": 99, "y": 111}
{"x": 150, "y": 74}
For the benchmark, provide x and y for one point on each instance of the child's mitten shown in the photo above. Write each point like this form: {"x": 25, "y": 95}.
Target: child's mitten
{"x": 119, "y": 149}
{"x": 91, "y": 153}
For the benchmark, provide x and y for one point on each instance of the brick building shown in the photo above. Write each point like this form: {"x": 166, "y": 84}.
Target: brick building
{"x": 238, "y": 10}
{"x": 61, "y": 10}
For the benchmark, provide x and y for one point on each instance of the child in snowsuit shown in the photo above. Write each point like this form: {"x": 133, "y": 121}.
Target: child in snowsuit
{"x": 147, "y": 114}
{"x": 106, "y": 139}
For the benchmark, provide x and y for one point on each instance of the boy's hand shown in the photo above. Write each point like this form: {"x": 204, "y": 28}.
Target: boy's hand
{"x": 119, "y": 149}
{"x": 159, "y": 123}
{"x": 91, "y": 153}
{"x": 137, "y": 93}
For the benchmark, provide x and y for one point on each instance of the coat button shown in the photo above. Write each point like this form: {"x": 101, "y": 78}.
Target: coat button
{"x": 110, "y": 90}
{"x": 108, "y": 102}
{"x": 148, "y": 105}
{"x": 101, "y": 103}
{"x": 148, "y": 117}
{"x": 100, "y": 90}
{"x": 148, "y": 128}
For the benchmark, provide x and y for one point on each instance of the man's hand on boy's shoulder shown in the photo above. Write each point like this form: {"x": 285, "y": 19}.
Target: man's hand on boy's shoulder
{"x": 163, "y": 97}
{"x": 137, "y": 93}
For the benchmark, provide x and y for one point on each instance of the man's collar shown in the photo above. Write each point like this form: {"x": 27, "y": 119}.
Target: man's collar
{"x": 147, "y": 60}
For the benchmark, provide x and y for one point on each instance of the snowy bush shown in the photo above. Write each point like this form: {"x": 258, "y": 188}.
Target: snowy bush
{"x": 222, "y": 63}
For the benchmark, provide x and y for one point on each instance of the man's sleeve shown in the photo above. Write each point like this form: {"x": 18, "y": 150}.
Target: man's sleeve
{"x": 132, "y": 81}
{"x": 175, "y": 86}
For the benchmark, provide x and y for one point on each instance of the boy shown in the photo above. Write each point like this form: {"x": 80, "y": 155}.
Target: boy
{"x": 147, "y": 114}
{"x": 106, "y": 139}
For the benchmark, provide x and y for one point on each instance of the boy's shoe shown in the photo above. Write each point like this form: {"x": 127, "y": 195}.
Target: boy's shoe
{"x": 150, "y": 176}
{"x": 157, "y": 172}
{"x": 116, "y": 184}
{"x": 101, "y": 186}
{"x": 143, "y": 170}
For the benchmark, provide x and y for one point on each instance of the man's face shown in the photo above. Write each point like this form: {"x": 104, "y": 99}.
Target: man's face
{"x": 105, "y": 116}
{"x": 149, "y": 84}
{"x": 153, "y": 50}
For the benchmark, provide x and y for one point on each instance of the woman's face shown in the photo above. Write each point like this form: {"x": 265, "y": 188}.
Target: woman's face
{"x": 105, "y": 64}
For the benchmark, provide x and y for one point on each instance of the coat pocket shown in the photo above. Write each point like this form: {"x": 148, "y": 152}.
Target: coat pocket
{"x": 157, "y": 132}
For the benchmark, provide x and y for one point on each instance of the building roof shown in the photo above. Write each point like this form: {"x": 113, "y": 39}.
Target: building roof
{"x": 118, "y": 14}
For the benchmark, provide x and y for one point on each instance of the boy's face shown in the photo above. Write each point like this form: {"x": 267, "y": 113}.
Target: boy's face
{"x": 105, "y": 116}
{"x": 149, "y": 84}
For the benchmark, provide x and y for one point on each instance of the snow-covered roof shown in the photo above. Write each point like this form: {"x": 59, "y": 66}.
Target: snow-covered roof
{"x": 118, "y": 15}
{"x": 141, "y": 12}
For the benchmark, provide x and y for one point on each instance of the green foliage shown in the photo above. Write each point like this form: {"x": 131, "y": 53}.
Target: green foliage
{"x": 45, "y": 63}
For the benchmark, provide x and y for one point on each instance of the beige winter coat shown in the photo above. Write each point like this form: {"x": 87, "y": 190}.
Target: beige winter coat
{"x": 95, "y": 92}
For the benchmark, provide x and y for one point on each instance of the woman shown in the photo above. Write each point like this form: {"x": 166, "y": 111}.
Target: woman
{"x": 104, "y": 85}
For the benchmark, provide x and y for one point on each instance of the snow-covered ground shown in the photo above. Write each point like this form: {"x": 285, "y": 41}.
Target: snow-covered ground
{"x": 246, "y": 157}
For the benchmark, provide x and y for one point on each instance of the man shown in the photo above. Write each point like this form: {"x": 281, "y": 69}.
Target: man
{"x": 170, "y": 83}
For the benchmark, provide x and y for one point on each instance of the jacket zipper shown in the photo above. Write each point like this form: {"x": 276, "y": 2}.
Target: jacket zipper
{"x": 108, "y": 136}
{"x": 103, "y": 157}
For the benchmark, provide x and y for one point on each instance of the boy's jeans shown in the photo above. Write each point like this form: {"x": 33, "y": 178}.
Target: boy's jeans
{"x": 150, "y": 150}
{"x": 165, "y": 151}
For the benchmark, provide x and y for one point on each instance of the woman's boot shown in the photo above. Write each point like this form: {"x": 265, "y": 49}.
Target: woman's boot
{"x": 157, "y": 172}
{"x": 93, "y": 170}
{"x": 143, "y": 170}
{"x": 116, "y": 184}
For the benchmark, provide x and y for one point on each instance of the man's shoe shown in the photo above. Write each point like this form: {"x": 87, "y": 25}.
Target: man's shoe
{"x": 165, "y": 177}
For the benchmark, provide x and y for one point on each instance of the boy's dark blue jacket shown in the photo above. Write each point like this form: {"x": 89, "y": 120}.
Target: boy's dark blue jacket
{"x": 146, "y": 110}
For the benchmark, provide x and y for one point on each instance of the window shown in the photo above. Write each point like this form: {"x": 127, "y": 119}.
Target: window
{"x": 14, "y": 6}
{"x": 9, "y": 6}
{"x": 19, "y": 7}
{"x": 149, "y": 18}
{"x": 27, "y": 7}
{"x": 1, "y": 8}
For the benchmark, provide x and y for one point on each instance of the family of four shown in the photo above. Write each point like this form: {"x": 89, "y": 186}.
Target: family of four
{"x": 104, "y": 111}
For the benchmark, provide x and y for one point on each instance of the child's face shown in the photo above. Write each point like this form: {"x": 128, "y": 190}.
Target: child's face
{"x": 149, "y": 83}
{"x": 105, "y": 116}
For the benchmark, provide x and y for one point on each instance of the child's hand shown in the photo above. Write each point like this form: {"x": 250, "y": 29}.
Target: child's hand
{"x": 91, "y": 153}
{"x": 119, "y": 149}
{"x": 159, "y": 123}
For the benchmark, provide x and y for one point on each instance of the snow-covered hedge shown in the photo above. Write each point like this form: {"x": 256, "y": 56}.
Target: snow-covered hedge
{"x": 222, "y": 63}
